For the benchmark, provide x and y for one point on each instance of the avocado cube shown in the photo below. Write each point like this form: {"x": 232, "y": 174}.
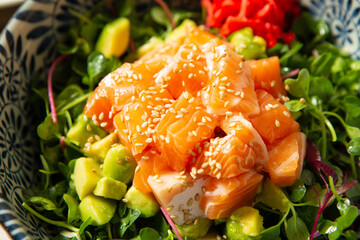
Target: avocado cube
{"x": 179, "y": 33}
{"x": 100, "y": 210}
{"x": 82, "y": 130}
{"x": 99, "y": 149}
{"x": 119, "y": 164}
{"x": 150, "y": 45}
{"x": 195, "y": 231}
{"x": 86, "y": 174}
{"x": 144, "y": 202}
{"x": 110, "y": 188}
{"x": 244, "y": 223}
{"x": 114, "y": 38}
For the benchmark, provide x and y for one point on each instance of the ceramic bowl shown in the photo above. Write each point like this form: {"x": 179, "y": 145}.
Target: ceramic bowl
{"x": 27, "y": 47}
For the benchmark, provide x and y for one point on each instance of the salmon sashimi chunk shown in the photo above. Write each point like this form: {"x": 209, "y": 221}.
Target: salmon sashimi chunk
{"x": 230, "y": 85}
{"x": 183, "y": 73}
{"x": 274, "y": 120}
{"x": 99, "y": 108}
{"x": 179, "y": 194}
{"x": 184, "y": 126}
{"x": 240, "y": 127}
{"x": 136, "y": 123}
{"x": 150, "y": 162}
{"x": 267, "y": 76}
{"x": 225, "y": 158}
{"x": 286, "y": 159}
{"x": 115, "y": 91}
{"x": 223, "y": 196}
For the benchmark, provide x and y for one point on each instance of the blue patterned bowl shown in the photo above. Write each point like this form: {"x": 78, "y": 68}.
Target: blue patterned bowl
{"x": 26, "y": 47}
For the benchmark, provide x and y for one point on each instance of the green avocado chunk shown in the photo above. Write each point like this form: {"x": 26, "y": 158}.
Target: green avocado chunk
{"x": 87, "y": 173}
{"x": 119, "y": 164}
{"x": 114, "y": 38}
{"x": 145, "y": 203}
{"x": 273, "y": 196}
{"x": 195, "y": 231}
{"x": 244, "y": 223}
{"x": 99, "y": 149}
{"x": 248, "y": 45}
{"x": 149, "y": 46}
{"x": 179, "y": 33}
{"x": 110, "y": 188}
{"x": 100, "y": 210}
{"x": 82, "y": 130}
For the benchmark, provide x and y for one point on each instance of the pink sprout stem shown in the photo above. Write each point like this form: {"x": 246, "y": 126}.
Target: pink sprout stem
{"x": 167, "y": 11}
{"x": 62, "y": 143}
{"x": 50, "y": 89}
{"x": 172, "y": 224}
{"x": 293, "y": 73}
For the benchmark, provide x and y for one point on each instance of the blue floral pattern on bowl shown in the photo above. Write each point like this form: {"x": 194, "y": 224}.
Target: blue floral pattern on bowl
{"x": 343, "y": 18}
{"x": 27, "y": 47}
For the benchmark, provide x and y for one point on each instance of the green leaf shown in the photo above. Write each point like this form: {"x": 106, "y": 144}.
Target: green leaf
{"x": 42, "y": 203}
{"x": 84, "y": 225}
{"x": 298, "y": 191}
{"x": 73, "y": 208}
{"x": 311, "y": 197}
{"x": 353, "y": 147}
{"x": 271, "y": 233}
{"x": 158, "y": 223}
{"x": 321, "y": 87}
{"x": 149, "y": 234}
{"x": 98, "y": 66}
{"x": 124, "y": 7}
{"x": 353, "y": 132}
{"x": 47, "y": 130}
{"x": 344, "y": 221}
{"x": 78, "y": 65}
{"x": 354, "y": 193}
{"x": 350, "y": 235}
{"x": 159, "y": 16}
{"x": 295, "y": 105}
{"x": 69, "y": 94}
{"x": 296, "y": 229}
{"x": 128, "y": 220}
{"x": 352, "y": 106}
{"x": 299, "y": 87}
{"x": 327, "y": 227}
{"x": 295, "y": 48}
{"x": 321, "y": 66}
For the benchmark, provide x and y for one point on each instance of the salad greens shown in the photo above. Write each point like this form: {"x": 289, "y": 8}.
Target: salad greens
{"x": 324, "y": 97}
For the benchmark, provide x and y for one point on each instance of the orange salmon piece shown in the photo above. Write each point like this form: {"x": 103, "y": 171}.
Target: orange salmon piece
{"x": 286, "y": 159}
{"x": 225, "y": 158}
{"x": 186, "y": 72}
{"x": 274, "y": 120}
{"x": 98, "y": 108}
{"x": 230, "y": 85}
{"x": 135, "y": 124}
{"x": 179, "y": 194}
{"x": 267, "y": 76}
{"x": 238, "y": 126}
{"x": 223, "y": 196}
{"x": 184, "y": 126}
{"x": 150, "y": 162}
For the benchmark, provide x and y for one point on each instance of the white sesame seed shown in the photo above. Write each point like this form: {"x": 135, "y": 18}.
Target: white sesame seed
{"x": 277, "y": 123}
